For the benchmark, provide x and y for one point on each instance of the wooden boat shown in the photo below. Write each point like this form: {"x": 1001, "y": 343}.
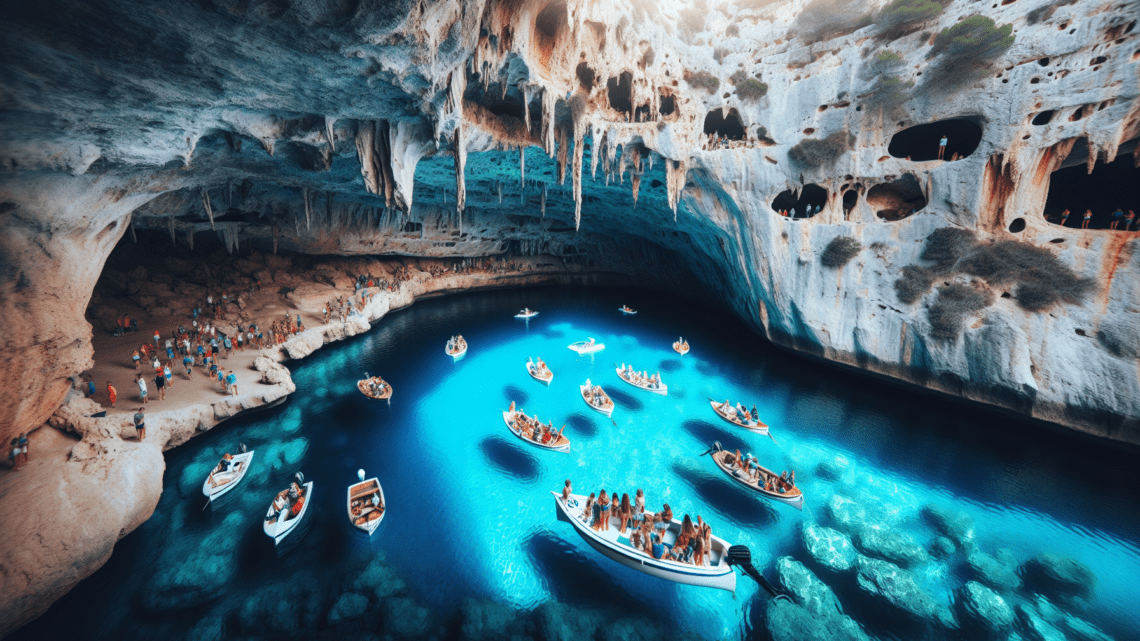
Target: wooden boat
{"x": 681, "y": 347}
{"x": 717, "y": 573}
{"x": 366, "y": 505}
{"x": 456, "y": 350}
{"x": 365, "y": 389}
{"x": 648, "y": 387}
{"x": 588, "y": 346}
{"x": 606, "y": 406}
{"x": 729, "y": 414}
{"x": 546, "y": 376}
{"x": 524, "y": 432}
{"x": 218, "y": 483}
{"x": 526, "y": 313}
{"x": 278, "y": 528}
{"x": 626, "y": 309}
{"x": 725, "y": 461}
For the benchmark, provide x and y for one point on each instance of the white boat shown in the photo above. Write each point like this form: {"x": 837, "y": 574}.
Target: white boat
{"x": 545, "y": 376}
{"x": 562, "y": 444}
{"x": 662, "y": 389}
{"x": 218, "y": 483}
{"x": 717, "y": 573}
{"x": 626, "y": 309}
{"x": 278, "y": 528}
{"x": 728, "y": 413}
{"x": 792, "y": 496}
{"x": 459, "y": 348}
{"x": 605, "y": 406}
{"x": 526, "y": 313}
{"x": 681, "y": 347}
{"x": 366, "y": 505}
{"x": 588, "y": 346}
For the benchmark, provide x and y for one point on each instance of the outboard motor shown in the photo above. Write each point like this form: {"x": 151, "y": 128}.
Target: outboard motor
{"x": 740, "y": 555}
{"x": 716, "y": 447}
{"x": 360, "y": 474}
{"x": 300, "y": 478}
{"x": 242, "y": 448}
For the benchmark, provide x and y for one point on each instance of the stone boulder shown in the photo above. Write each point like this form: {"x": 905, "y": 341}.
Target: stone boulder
{"x": 208, "y": 629}
{"x": 806, "y": 588}
{"x": 310, "y": 296}
{"x": 889, "y": 585}
{"x": 983, "y": 612}
{"x": 405, "y": 619}
{"x": 942, "y": 548}
{"x": 998, "y": 572}
{"x": 830, "y": 548}
{"x": 833, "y": 469}
{"x": 1054, "y": 575}
{"x": 889, "y": 544}
{"x": 957, "y": 526}
{"x": 489, "y": 621}
{"x": 304, "y": 343}
{"x": 282, "y": 609}
{"x": 1036, "y": 627}
{"x": 788, "y": 621}
{"x": 272, "y": 372}
{"x": 560, "y": 622}
{"x": 350, "y": 605}
{"x": 197, "y": 576}
{"x": 379, "y": 579}
{"x": 849, "y": 515}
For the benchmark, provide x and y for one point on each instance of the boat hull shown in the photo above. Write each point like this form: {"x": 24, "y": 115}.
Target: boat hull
{"x": 680, "y": 349}
{"x": 795, "y": 500}
{"x": 511, "y": 425}
{"x": 720, "y": 576}
{"x": 627, "y": 312}
{"x": 663, "y": 390}
{"x": 456, "y": 354}
{"x": 583, "y": 349}
{"x": 600, "y": 410}
{"x": 530, "y": 315}
{"x": 533, "y": 374}
{"x": 214, "y": 493}
{"x": 759, "y": 428}
{"x": 369, "y": 526}
{"x": 277, "y": 530}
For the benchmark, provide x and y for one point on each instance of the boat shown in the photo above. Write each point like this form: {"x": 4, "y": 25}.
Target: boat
{"x": 278, "y": 528}
{"x": 588, "y": 346}
{"x": 681, "y": 347}
{"x": 517, "y": 422}
{"x": 725, "y": 461}
{"x": 625, "y": 375}
{"x": 546, "y": 376}
{"x": 605, "y": 405}
{"x": 366, "y": 505}
{"x": 728, "y": 413}
{"x": 456, "y": 347}
{"x": 219, "y": 482}
{"x": 526, "y": 313}
{"x": 718, "y": 573}
{"x": 626, "y": 309}
{"x": 366, "y": 389}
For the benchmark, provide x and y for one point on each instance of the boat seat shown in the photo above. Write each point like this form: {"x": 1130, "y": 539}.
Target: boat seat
{"x": 359, "y": 494}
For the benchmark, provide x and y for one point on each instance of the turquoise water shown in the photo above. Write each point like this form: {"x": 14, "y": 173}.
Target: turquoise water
{"x": 469, "y": 506}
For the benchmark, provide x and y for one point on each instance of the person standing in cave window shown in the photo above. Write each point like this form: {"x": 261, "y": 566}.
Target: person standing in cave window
{"x": 1065, "y": 217}
{"x": 1129, "y": 218}
{"x": 942, "y": 147}
{"x": 1117, "y": 216}
{"x": 140, "y": 423}
{"x": 1086, "y": 219}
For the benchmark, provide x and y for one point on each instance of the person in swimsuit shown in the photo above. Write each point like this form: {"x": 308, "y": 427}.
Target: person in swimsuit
{"x": 566, "y": 491}
{"x": 603, "y": 522}
{"x": 625, "y": 512}
{"x": 588, "y": 512}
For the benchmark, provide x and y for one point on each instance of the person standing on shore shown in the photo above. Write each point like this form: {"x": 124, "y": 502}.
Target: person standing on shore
{"x": 112, "y": 394}
{"x": 231, "y": 382}
{"x": 140, "y": 423}
{"x": 160, "y": 383}
{"x": 136, "y": 358}
{"x": 168, "y": 373}
{"x": 14, "y": 455}
{"x": 142, "y": 387}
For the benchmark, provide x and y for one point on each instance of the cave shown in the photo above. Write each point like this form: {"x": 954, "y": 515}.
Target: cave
{"x": 1110, "y": 186}
{"x": 850, "y": 199}
{"x": 667, "y": 105}
{"x": 619, "y": 91}
{"x": 586, "y": 76}
{"x": 806, "y": 204}
{"x": 1042, "y": 118}
{"x": 921, "y": 142}
{"x": 896, "y": 199}
{"x": 724, "y": 126}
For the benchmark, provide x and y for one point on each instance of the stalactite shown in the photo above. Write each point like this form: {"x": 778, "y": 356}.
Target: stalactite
{"x": 599, "y": 147}
{"x": 635, "y": 180}
{"x": 544, "y": 201}
{"x": 460, "y": 163}
{"x": 525, "y": 89}
{"x": 308, "y": 209}
{"x": 522, "y": 165}
{"x": 563, "y": 153}
{"x": 676, "y": 175}
{"x": 206, "y": 204}
{"x": 579, "y": 144}
{"x": 500, "y": 184}
{"x": 134, "y": 238}
{"x": 329, "y": 122}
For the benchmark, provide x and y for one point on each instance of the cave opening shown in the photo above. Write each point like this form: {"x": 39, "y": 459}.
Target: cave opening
{"x": 809, "y": 202}
{"x": 586, "y": 76}
{"x": 549, "y": 27}
{"x": 921, "y": 142}
{"x": 850, "y": 199}
{"x": 620, "y": 91}
{"x": 495, "y": 101}
{"x": 896, "y": 199}
{"x": 667, "y": 105}
{"x": 1110, "y": 186}
{"x": 1043, "y": 118}
{"x": 727, "y": 126}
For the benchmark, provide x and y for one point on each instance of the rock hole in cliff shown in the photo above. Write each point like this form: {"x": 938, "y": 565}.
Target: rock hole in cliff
{"x": 618, "y": 89}
{"x": 1099, "y": 60}
{"x": 810, "y": 201}
{"x": 1078, "y": 114}
{"x": 1034, "y": 80}
{"x": 1110, "y": 186}
{"x": 586, "y": 76}
{"x": 1043, "y": 118}
{"x": 1044, "y": 62}
{"x": 1017, "y": 226}
{"x": 897, "y": 199}
{"x": 1057, "y": 240}
{"x": 729, "y": 126}
{"x": 549, "y": 27}
{"x": 850, "y": 199}
{"x": 667, "y": 105}
{"x": 921, "y": 142}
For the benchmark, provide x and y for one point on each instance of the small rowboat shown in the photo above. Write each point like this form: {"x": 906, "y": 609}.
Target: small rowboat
{"x": 218, "y": 483}
{"x": 662, "y": 389}
{"x": 726, "y": 462}
{"x": 606, "y": 404}
{"x": 728, "y": 413}
{"x": 516, "y": 421}
{"x": 587, "y": 346}
{"x": 526, "y": 313}
{"x": 366, "y": 506}
{"x": 459, "y": 348}
{"x": 546, "y": 376}
{"x": 681, "y": 347}
{"x": 276, "y": 527}
{"x": 626, "y": 309}
{"x": 717, "y": 573}
{"x": 366, "y": 389}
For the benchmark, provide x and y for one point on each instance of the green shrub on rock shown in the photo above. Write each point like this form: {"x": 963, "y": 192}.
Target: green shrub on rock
{"x": 839, "y": 252}
{"x": 904, "y": 16}
{"x": 954, "y": 303}
{"x": 813, "y": 152}
{"x": 704, "y": 80}
{"x": 914, "y": 283}
{"x": 966, "y": 52}
{"x": 751, "y": 90}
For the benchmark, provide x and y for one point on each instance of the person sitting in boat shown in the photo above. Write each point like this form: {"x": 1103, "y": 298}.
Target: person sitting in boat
{"x": 566, "y": 491}
{"x": 658, "y": 548}
{"x": 638, "y": 513}
{"x": 225, "y": 464}
{"x": 698, "y": 551}
{"x": 683, "y": 545}
{"x": 589, "y": 510}
{"x": 536, "y": 435}
{"x": 280, "y": 505}
{"x": 755, "y": 416}
{"x": 590, "y": 341}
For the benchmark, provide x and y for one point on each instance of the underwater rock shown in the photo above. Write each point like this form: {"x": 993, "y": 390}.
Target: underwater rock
{"x": 787, "y": 621}
{"x": 208, "y": 629}
{"x": 192, "y": 477}
{"x": 848, "y": 515}
{"x": 1076, "y": 628}
{"x": 282, "y": 608}
{"x": 942, "y": 548}
{"x": 350, "y": 605}
{"x": 984, "y": 612}
{"x": 1036, "y": 627}
{"x": 1082, "y": 630}
{"x": 198, "y": 577}
{"x": 560, "y": 622}
{"x": 830, "y": 548}
{"x": 889, "y": 544}
{"x": 997, "y": 573}
{"x": 806, "y": 588}
{"x": 489, "y": 621}
{"x": 888, "y": 584}
{"x": 379, "y": 579}
{"x": 403, "y": 618}
{"x": 639, "y": 629}
{"x": 286, "y": 456}
{"x": 833, "y": 469}
{"x": 957, "y": 526}
{"x": 1054, "y": 575}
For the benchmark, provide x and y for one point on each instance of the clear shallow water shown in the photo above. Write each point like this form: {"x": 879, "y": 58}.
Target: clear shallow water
{"x": 470, "y": 512}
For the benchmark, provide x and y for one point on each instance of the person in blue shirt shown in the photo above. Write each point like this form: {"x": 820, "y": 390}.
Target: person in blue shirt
{"x": 231, "y": 381}
{"x": 1116, "y": 217}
